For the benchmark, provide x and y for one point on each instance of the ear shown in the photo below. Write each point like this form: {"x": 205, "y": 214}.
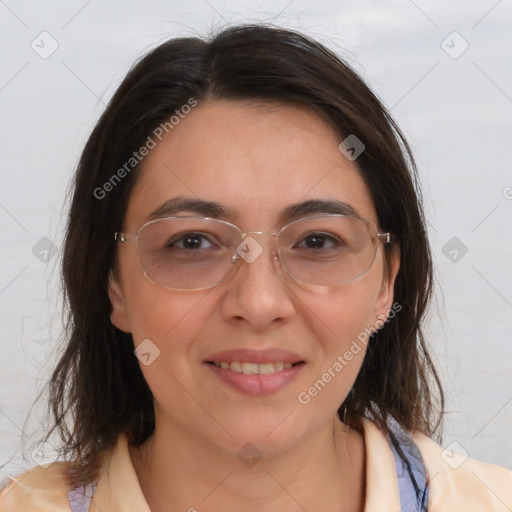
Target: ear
{"x": 384, "y": 300}
{"x": 119, "y": 315}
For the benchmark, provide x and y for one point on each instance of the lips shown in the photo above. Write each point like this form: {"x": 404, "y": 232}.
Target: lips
{"x": 255, "y": 356}
{"x": 254, "y": 368}
{"x": 255, "y": 372}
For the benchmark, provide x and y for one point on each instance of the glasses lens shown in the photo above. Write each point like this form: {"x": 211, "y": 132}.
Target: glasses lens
{"x": 186, "y": 253}
{"x": 328, "y": 250}
{"x": 193, "y": 253}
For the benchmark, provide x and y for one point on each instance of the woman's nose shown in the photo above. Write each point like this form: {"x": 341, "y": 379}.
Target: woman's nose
{"x": 257, "y": 292}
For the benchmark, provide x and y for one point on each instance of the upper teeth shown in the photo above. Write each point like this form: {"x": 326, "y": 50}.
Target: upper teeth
{"x": 254, "y": 368}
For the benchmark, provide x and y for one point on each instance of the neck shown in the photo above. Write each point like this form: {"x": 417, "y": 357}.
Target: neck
{"x": 325, "y": 472}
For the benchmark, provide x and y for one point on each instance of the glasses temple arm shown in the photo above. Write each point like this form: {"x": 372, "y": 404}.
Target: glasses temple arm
{"x": 385, "y": 237}
{"x": 121, "y": 237}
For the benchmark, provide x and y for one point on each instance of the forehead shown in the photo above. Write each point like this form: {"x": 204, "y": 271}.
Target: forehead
{"x": 255, "y": 158}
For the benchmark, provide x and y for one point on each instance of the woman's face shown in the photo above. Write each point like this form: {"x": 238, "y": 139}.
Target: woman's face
{"x": 256, "y": 160}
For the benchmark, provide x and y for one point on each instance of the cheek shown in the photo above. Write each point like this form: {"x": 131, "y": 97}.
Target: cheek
{"x": 165, "y": 327}
{"x": 342, "y": 321}
{"x": 152, "y": 310}
{"x": 169, "y": 319}
{"x": 173, "y": 322}
{"x": 341, "y": 314}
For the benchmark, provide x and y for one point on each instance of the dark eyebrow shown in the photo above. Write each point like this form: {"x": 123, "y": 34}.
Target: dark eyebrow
{"x": 203, "y": 208}
{"x": 314, "y": 207}
{"x": 219, "y": 211}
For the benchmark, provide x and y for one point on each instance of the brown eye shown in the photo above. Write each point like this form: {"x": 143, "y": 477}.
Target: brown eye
{"x": 319, "y": 241}
{"x": 191, "y": 241}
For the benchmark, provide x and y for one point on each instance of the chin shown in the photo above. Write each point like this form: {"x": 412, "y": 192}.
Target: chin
{"x": 267, "y": 438}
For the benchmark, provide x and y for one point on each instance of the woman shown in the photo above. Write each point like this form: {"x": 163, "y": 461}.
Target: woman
{"x": 246, "y": 221}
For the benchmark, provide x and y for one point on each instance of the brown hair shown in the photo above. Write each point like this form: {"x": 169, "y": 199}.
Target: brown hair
{"x": 97, "y": 390}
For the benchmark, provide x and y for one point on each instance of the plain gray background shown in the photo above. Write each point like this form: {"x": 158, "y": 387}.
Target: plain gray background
{"x": 442, "y": 68}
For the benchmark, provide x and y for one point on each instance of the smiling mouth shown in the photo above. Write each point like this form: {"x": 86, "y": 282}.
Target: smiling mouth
{"x": 254, "y": 368}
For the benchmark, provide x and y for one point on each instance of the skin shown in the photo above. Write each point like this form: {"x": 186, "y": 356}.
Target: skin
{"x": 257, "y": 159}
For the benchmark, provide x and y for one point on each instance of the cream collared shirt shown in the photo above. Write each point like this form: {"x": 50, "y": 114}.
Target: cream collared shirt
{"x": 472, "y": 487}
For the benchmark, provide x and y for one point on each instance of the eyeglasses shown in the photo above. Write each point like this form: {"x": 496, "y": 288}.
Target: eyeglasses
{"x": 191, "y": 253}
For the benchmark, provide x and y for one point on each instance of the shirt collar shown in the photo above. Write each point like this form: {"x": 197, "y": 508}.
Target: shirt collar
{"x": 382, "y": 493}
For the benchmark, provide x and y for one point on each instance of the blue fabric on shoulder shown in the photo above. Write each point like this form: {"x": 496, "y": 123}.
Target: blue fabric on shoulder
{"x": 80, "y": 497}
{"x": 412, "y": 499}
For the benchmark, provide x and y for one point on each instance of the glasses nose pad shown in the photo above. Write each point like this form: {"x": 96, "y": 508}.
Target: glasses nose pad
{"x": 235, "y": 258}
{"x": 240, "y": 251}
